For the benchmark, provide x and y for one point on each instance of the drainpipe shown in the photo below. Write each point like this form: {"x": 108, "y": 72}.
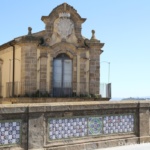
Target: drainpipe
{"x": 13, "y": 70}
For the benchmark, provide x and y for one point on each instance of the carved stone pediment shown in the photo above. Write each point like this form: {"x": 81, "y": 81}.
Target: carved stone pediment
{"x": 63, "y": 24}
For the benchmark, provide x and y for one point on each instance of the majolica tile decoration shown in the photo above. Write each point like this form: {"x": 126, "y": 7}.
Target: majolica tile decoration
{"x": 118, "y": 124}
{"x": 9, "y": 132}
{"x": 67, "y": 128}
{"x": 63, "y": 128}
{"x": 95, "y": 125}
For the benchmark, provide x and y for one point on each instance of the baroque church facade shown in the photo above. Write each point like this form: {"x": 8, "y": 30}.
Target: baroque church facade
{"x": 57, "y": 61}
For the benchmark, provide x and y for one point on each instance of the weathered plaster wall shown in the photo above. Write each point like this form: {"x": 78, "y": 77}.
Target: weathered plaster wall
{"x": 18, "y": 64}
{"x": 36, "y": 122}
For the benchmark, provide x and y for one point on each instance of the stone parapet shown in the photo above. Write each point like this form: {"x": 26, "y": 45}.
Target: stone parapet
{"x": 34, "y": 125}
{"x": 75, "y": 105}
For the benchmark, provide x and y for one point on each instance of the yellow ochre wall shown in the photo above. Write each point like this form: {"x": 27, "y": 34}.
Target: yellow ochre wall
{"x": 7, "y": 66}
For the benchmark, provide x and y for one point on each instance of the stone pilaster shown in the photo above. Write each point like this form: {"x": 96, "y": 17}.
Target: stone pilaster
{"x": 94, "y": 72}
{"x": 144, "y": 122}
{"x": 74, "y": 80}
{"x": 28, "y": 64}
{"x": 78, "y": 74}
{"x": 82, "y": 83}
{"x": 43, "y": 72}
{"x": 48, "y": 72}
{"x": 36, "y": 131}
{"x": 38, "y": 69}
{"x": 51, "y": 75}
{"x": 87, "y": 71}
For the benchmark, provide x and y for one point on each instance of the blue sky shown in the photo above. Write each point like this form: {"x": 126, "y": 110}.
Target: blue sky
{"x": 123, "y": 25}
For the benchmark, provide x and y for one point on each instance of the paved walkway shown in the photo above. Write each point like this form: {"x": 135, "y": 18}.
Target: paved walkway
{"x": 145, "y": 146}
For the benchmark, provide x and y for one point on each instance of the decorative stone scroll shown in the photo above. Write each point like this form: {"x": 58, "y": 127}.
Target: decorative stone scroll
{"x": 77, "y": 127}
{"x": 10, "y": 132}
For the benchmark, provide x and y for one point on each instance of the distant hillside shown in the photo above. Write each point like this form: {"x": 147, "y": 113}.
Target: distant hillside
{"x": 136, "y": 98}
{"x": 116, "y": 99}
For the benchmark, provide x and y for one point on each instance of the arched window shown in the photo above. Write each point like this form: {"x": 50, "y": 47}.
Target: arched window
{"x": 62, "y": 76}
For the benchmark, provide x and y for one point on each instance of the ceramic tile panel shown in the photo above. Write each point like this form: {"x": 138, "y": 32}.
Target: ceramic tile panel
{"x": 10, "y": 132}
{"x": 114, "y": 124}
{"x": 67, "y": 128}
{"x": 95, "y": 125}
{"x": 75, "y": 127}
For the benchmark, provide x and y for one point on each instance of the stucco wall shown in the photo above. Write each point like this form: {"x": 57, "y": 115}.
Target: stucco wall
{"x": 7, "y": 66}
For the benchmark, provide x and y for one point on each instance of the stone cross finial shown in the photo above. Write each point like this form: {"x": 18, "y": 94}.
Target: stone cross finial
{"x": 93, "y": 35}
{"x": 29, "y": 30}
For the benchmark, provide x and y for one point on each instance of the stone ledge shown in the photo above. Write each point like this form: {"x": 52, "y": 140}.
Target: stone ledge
{"x": 70, "y": 106}
{"x": 48, "y": 100}
{"x": 97, "y": 144}
{"x": 89, "y": 139}
{"x": 11, "y": 148}
{"x": 12, "y": 109}
{"x": 144, "y": 104}
{"x": 144, "y": 139}
{"x": 66, "y": 106}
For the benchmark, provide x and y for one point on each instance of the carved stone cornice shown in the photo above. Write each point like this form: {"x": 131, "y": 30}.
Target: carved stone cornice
{"x": 29, "y": 39}
{"x": 8, "y": 44}
{"x": 44, "y": 47}
{"x": 64, "y": 47}
{"x": 93, "y": 43}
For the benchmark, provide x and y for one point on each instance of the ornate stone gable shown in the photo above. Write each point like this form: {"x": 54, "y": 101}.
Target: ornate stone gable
{"x": 63, "y": 24}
